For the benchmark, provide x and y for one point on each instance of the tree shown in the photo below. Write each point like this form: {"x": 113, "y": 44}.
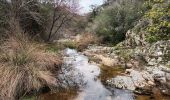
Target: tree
{"x": 44, "y": 18}
{"x": 62, "y": 12}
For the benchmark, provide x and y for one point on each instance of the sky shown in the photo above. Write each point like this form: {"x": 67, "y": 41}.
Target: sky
{"x": 85, "y": 5}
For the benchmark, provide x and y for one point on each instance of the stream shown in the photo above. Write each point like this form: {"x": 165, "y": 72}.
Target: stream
{"x": 94, "y": 88}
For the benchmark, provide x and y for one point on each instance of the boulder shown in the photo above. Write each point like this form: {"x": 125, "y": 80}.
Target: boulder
{"x": 122, "y": 82}
{"x": 133, "y": 80}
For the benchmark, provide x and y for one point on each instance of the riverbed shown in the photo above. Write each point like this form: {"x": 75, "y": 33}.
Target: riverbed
{"x": 94, "y": 76}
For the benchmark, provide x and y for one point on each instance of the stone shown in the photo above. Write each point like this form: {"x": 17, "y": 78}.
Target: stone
{"x": 122, "y": 82}
{"x": 152, "y": 62}
{"x": 129, "y": 65}
{"x": 159, "y": 59}
{"x": 167, "y": 75}
{"x": 133, "y": 80}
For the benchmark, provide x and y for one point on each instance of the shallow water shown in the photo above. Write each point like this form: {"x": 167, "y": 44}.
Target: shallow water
{"x": 94, "y": 88}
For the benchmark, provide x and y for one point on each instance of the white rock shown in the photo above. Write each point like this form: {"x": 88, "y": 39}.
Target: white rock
{"x": 159, "y": 53}
{"x": 135, "y": 80}
{"x": 124, "y": 82}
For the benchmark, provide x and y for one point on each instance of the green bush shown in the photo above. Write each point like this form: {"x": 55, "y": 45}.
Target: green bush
{"x": 114, "y": 21}
{"x": 159, "y": 14}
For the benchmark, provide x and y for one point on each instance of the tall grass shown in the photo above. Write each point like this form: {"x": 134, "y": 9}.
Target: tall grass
{"x": 25, "y": 66}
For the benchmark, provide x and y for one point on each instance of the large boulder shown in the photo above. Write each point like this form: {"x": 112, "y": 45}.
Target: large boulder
{"x": 144, "y": 80}
{"x": 161, "y": 76}
{"x": 133, "y": 80}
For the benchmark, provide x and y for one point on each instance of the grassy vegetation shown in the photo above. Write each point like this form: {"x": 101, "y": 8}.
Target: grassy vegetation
{"x": 29, "y": 60}
{"x": 25, "y": 66}
{"x": 159, "y": 14}
{"x": 116, "y": 19}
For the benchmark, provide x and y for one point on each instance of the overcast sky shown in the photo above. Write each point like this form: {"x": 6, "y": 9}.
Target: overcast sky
{"x": 85, "y": 4}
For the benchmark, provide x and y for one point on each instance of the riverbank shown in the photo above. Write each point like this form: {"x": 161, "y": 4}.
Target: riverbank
{"x": 92, "y": 76}
{"x": 95, "y": 77}
{"x": 146, "y": 67}
{"x": 132, "y": 71}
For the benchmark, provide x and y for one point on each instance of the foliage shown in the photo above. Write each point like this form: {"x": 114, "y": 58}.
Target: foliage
{"x": 159, "y": 14}
{"x": 114, "y": 21}
{"x": 40, "y": 19}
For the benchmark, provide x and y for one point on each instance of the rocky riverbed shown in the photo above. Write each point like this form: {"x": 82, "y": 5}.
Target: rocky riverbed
{"x": 146, "y": 67}
{"x": 116, "y": 81}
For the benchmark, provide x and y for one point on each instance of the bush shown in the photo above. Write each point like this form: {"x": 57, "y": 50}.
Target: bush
{"x": 159, "y": 14}
{"x": 26, "y": 13}
{"x": 114, "y": 21}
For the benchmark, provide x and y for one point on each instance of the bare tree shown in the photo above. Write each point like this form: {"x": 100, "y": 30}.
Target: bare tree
{"x": 63, "y": 12}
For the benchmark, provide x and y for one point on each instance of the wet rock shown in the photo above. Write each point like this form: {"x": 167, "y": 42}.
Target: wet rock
{"x": 143, "y": 91}
{"x": 133, "y": 80}
{"x": 151, "y": 59}
{"x": 162, "y": 78}
{"x": 122, "y": 82}
{"x": 167, "y": 75}
{"x": 141, "y": 79}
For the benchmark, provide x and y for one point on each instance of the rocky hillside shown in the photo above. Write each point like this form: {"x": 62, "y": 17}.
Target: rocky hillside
{"x": 145, "y": 53}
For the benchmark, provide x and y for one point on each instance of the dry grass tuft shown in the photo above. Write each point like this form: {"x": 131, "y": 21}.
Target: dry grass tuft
{"x": 25, "y": 66}
{"x": 86, "y": 39}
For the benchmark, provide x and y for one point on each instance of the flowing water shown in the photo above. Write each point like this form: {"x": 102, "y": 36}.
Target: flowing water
{"x": 94, "y": 88}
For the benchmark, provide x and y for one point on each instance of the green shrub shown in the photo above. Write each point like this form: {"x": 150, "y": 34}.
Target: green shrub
{"x": 152, "y": 38}
{"x": 159, "y": 14}
{"x": 114, "y": 21}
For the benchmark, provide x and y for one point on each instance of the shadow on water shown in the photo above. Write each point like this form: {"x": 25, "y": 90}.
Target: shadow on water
{"x": 94, "y": 76}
